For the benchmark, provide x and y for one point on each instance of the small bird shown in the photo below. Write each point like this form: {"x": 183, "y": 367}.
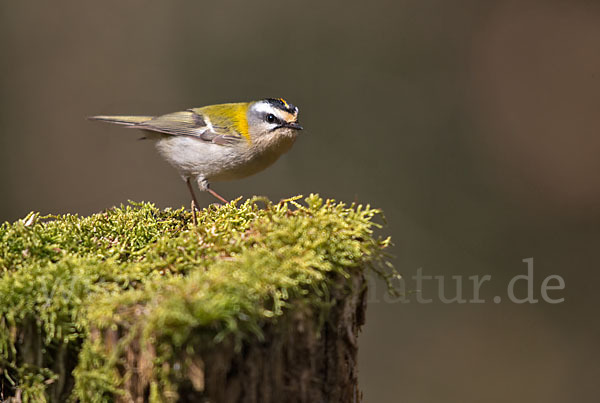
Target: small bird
{"x": 219, "y": 142}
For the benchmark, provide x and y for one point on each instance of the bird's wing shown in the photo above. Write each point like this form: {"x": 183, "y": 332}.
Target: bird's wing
{"x": 188, "y": 123}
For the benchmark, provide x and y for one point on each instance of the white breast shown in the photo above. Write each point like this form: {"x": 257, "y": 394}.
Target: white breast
{"x": 194, "y": 157}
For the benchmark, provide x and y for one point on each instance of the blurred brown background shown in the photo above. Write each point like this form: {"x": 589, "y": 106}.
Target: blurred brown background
{"x": 473, "y": 124}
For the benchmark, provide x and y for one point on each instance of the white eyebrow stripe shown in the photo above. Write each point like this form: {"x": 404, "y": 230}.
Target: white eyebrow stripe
{"x": 266, "y": 108}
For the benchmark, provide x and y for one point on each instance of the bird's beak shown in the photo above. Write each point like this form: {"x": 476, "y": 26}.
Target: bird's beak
{"x": 293, "y": 125}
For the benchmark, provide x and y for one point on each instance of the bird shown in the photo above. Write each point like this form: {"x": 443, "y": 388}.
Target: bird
{"x": 219, "y": 142}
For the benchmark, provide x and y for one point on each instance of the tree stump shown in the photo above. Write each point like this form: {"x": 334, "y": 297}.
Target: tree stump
{"x": 298, "y": 359}
{"x": 136, "y": 304}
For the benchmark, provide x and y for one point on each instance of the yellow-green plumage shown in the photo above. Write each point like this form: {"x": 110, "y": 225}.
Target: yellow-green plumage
{"x": 228, "y": 119}
{"x": 225, "y": 116}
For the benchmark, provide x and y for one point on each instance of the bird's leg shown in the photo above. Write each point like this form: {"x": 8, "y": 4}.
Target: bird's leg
{"x": 215, "y": 194}
{"x": 204, "y": 185}
{"x": 194, "y": 201}
{"x": 194, "y": 219}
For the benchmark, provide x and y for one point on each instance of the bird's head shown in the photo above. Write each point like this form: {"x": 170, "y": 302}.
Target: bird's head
{"x": 272, "y": 118}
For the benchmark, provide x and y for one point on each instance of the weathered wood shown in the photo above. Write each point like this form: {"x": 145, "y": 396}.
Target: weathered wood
{"x": 300, "y": 360}
{"x": 135, "y": 304}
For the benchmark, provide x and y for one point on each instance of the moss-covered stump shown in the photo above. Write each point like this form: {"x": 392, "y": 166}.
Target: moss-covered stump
{"x": 258, "y": 302}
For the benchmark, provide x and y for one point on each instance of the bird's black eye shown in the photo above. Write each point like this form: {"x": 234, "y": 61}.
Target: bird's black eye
{"x": 271, "y": 118}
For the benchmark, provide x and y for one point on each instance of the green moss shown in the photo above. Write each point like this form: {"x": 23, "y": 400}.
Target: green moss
{"x": 163, "y": 283}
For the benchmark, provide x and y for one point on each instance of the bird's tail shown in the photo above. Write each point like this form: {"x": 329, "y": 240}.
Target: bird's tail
{"x": 123, "y": 120}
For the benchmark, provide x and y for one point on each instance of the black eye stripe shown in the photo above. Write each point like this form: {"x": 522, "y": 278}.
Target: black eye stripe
{"x": 271, "y": 118}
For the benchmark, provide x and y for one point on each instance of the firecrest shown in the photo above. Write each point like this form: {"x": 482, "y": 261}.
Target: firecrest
{"x": 219, "y": 142}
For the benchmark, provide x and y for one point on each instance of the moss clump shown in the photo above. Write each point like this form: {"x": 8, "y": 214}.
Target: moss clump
{"x": 92, "y": 288}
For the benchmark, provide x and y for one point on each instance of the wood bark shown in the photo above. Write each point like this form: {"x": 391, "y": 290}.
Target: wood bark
{"x": 303, "y": 358}
{"x": 308, "y": 355}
